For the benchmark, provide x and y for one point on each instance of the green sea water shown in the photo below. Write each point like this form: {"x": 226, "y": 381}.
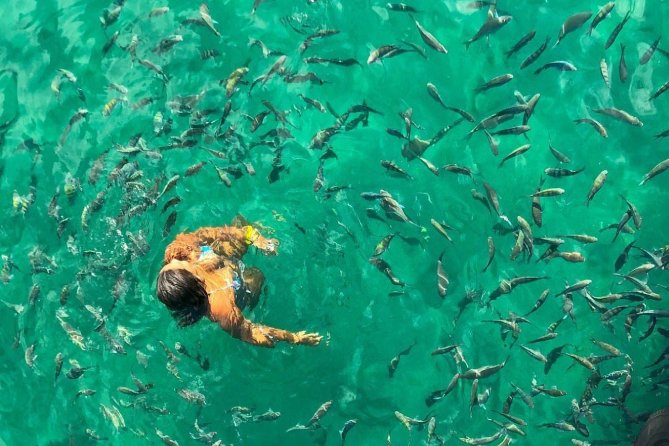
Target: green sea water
{"x": 322, "y": 280}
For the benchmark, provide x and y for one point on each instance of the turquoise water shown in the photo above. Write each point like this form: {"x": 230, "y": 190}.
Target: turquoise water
{"x": 322, "y": 280}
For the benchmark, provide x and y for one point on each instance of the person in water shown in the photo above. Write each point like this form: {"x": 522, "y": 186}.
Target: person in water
{"x": 203, "y": 275}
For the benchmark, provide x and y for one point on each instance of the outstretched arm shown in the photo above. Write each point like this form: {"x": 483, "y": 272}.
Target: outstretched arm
{"x": 228, "y": 241}
{"x": 262, "y": 335}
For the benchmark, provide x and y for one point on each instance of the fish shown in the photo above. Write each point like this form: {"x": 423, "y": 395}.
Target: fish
{"x": 663, "y": 88}
{"x": 401, "y": 7}
{"x": 441, "y": 228}
{"x": 169, "y": 223}
{"x": 491, "y": 25}
{"x": 167, "y": 43}
{"x": 392, "y": 367}
{"x": 516, "y": 152}
{"x": 320, "y": 412}
{"x": 656, "y": 170}
{"x": 595, "y": 124}
{"x": 604, "y": 71}
{"x": 382, "y": 246}
{"x": 560, "y": 65}
{"x": 409, "y": 422}
{"x": 559, "y": 173}
{"x": 384, "y": 267}
{"x": 581, "y": 284}
{"x": 192, "y": 396}
{"x": 646, "y": 56}
{"x": 597, "y": 185}
{"x": 603, "y": 12}
{"x": 550, "y": 192}
{"x": 442, "y": 278}
{"x": 572, "y": 23}
{"x": 621, "y": 115}
{"x": 529, "y": 60}
{"x": 496, "y": 81}
{"x": 207, "y": 20}
{"x": 491, "y": 253}
{"x": 622, "y": 66}
{"x": 619, "y": 27}
{"x": 392, "y": 167}
{"x": 322, "y": 33}
{"x": 520, "y": 44}
{"x": 429, "y": 39}
{"x": 348, "y": 425}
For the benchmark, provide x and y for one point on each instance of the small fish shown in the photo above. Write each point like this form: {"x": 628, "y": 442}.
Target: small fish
{"x": 429, "y": 39}
{"x": 85, "y": 392}
{"x": 442, "y": 278}
{"x": 559, "y": 173}
{"x": 581, "y": 284}
{"x": 491, "y": 253}
{"x": 207, "y": 20}
{"x": 320, "y": 412}
{"x": 441, "y": 228}
{"x": 604, "y": 71}
{"x": 516, "y": 152}
{"x": 561, "y": 65}
{"x": 603, "y": 12}
{"x": 382, "y": 246}
{"x": 384, "y": 267}
{"x": 622, "y": 66}
{"x": 595, "y": 124}
{"x": 645, "y": 57}
{"x": 652, "y": 173}
{"x": 392, "y": 367}
{"x": 621, "y": 115}
{"x": 529, "y": 60}
{"x": 597, "y": 185}
{"x": 527, "y": 38}
{"x": 401, "y": 7}
{"x": 664, "y": 87}
{"x": 29, "y": 356}
{"x": 617, "y": 29}
{"x": 394, "y": 168}
{"x": 573, "y": 23}
{"x": 171, "y": 219}
{"x": 495, "y": 82}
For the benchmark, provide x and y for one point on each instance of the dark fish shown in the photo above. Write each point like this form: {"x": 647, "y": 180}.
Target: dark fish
{"x": 617, "y": 29}
{"x": 539, "y": 302}
{"x": 527, "y": 38}
{"x": 622, "y": 66}
{"x": 622, "y": 258}
{"x": 384, "y": 267}
{"x": 645, "y": 57}
{"x": 171, "y": 219}
{"x": 535, "y": 55}
{"x": 348, "y": 425}
{"x": 660, "y": 90}
{"x": 396, "y": 360}
{"x": 401, "y": 7}
{"x": 573, "y": 23}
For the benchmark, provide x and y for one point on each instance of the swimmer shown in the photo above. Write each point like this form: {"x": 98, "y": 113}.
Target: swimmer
{"x": 203, "y": 276}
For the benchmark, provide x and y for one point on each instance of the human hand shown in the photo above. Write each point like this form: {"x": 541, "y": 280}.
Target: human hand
{"x": 269, "y": 247}
{"x": 304, "y": 338}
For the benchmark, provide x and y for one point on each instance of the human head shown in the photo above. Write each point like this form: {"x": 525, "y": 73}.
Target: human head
{"x": 184, "y": 295}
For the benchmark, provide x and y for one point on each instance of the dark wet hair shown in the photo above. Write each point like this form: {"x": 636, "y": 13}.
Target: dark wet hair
{"x": 184, "y": 295}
